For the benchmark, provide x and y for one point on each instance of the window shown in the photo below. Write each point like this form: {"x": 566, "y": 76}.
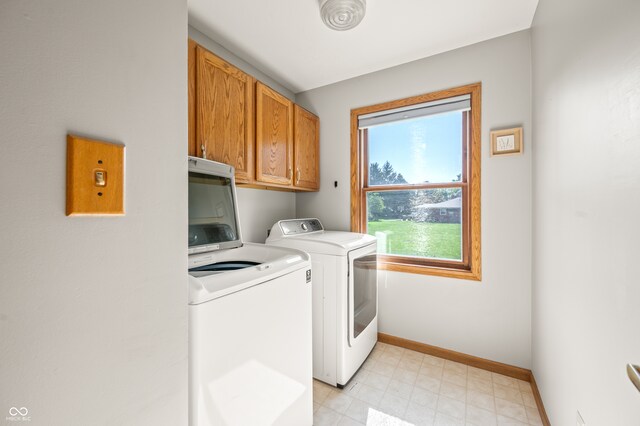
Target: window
{"x": 415, "y": 181}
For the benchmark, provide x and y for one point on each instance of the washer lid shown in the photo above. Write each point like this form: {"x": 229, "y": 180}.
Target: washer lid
{"x": 213, "y": 212}
{"x": 261, "y": 264}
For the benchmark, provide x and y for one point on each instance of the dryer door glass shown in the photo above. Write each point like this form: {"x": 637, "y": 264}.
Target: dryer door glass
{"x": 365, "y": 292}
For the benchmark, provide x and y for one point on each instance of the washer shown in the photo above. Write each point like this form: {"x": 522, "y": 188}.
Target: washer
{"x": 250, "y": 356}
{"x": 345, "y": 294}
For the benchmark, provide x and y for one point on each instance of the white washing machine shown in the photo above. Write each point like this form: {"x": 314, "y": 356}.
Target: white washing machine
{"x": 345, "y": 294}
{"x": 250, "y": 356}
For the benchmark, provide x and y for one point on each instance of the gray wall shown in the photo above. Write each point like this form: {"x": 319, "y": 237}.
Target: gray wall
{"x": 492, "y": 318}
{"x": 586, "y": 97}
{"x": 93, "y": 310}
{"x": 259, "y": 209}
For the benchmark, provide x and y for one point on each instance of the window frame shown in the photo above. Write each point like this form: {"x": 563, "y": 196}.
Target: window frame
{"x": 470, "y": 266}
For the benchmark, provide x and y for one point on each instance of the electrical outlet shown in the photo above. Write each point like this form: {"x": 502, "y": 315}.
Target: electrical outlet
{"x": 579, "y": 420}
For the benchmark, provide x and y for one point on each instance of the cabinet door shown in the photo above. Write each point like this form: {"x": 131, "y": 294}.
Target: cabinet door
{"x": 224, "y": 114}
{"x": 306, "y": 149}
{"x": 274, "y": 137}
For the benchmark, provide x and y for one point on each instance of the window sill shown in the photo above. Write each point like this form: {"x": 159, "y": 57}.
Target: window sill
{"x": 463, "y": 274}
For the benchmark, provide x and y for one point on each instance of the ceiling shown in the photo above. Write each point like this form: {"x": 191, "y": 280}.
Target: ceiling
{"x": 287, "y": 40}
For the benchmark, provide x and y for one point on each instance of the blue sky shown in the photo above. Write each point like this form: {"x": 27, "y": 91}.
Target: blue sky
{"x": 422, "y": 149}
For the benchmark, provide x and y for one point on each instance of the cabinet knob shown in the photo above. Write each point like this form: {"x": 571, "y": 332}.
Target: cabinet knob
{"x": 297, "y": 175}
{"x": 204, "y": 150}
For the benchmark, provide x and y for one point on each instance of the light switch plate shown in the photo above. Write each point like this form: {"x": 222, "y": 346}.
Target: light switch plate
{"x": 95, "y": 177}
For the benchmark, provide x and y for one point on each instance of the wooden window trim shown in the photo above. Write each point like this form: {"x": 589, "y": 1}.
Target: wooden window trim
{"x": 470, "y": 267}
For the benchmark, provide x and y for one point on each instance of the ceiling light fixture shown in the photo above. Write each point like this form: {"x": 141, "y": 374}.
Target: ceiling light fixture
{"x": 341, "y": 15}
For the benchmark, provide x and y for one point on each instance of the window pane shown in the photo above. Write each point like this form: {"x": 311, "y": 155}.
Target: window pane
{"x": 426, "y": 149}
{"x": 424, "y": 223}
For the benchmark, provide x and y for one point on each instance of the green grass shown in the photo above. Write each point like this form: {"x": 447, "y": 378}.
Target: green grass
{"x": 434, "y": 240}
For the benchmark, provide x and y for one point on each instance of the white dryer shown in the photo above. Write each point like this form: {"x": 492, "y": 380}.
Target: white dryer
{"x": 345, "y": 294}
{"x": 250, "y": 356}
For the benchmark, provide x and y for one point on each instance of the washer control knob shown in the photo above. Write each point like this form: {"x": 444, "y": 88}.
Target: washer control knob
{"x": 304, "y": 226}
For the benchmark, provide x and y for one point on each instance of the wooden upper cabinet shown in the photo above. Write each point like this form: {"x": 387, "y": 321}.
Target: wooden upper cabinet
{"x": 306, "y": 149}
{"x": 274, "y": 137}
{"x": 271, "y": 142}
{"x": 224, "y": 113}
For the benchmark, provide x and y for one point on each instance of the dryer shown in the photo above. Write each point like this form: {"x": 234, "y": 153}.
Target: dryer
{"x": 345, "y": 294}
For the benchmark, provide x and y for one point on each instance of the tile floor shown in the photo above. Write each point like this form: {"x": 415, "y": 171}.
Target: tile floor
{"x": 400, "y": 387}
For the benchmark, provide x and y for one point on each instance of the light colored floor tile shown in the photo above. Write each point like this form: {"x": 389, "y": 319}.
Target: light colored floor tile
{"x": 529, "y": 400}
{"x": 410, "y": 364}
{"x": 315, "y": 406}
{"x": 479, "y": 417}
{"x": 375, "y": 354}
{"x": 444, "y": 420}
{"x": 428, "y": 383}
{"x": 534, "y": 416}
{"x": 478, "y": 373}
{"x": 338, "y": 401}
{"x": 390, "y": 359}
{"x": 458, "y": 379}
{"x": 370, "y": 395}
{"x": 480, "y": 400}
{"x": 405, "y": 376}
{"x": 398, "y": 388}
{"x": 419, "y": 415}
{"x": 320, "y": 391}
{"x": 401, "y": 387}
{"x": 383, "y": 368}
{"x": 360, "y": 376}
{"x": 352, "y": 388}
{"x": 413, "y": 355}
{"x": 381, "y": 346}
{"x": 451, "y": 407}
{"x": 378, "y": 418}
{"x": 504, "y": 380}
{"x": 393, "y": 405}
{"x": 508, "y": 421}
{"x": 358, "y": 411}
{"x": 511, "y": 409}
{"x": 395, "y": 350}
{"x": 451, "y": 390}
{"x": 524, "y": 386}
{"x": 325, "y": 417}
{"x": 455, "y": 367}
{"x": 431, "y": 371}
{"x": 480, "y": 385}
{"x": 348, "y": 421}
{"x": 377, "y": 381}
{"x": 508, "y": 393}
{"x": 424, "y": 397}
{"x": 432, "y": 360}
{"x": 368, "y": 364}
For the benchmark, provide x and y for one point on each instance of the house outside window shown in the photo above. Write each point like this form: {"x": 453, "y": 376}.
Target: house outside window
{"x": 415, "y": 181}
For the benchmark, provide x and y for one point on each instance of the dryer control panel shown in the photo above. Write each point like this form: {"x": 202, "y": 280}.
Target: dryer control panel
{"x": 300, "y": 226}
